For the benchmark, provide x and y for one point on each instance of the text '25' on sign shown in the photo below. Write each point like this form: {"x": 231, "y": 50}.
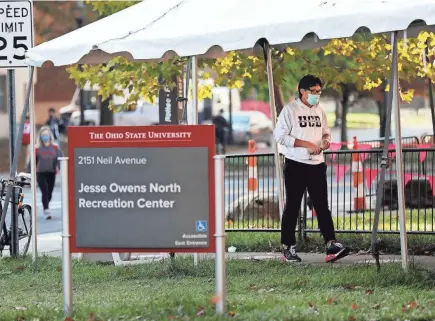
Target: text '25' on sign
{"x": 16, "y": 32}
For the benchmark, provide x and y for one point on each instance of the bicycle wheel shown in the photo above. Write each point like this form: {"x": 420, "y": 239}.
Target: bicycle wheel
{"x": 24, "y": 229}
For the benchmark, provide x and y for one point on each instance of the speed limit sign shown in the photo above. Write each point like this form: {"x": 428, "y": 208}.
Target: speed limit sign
{"x": 16, "y": 32}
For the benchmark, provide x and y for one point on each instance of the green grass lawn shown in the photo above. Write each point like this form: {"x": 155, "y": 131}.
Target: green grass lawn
{"x": 270, "y": 241}
{"x": 388, "y": 243}
{"x": 416, "y": 220}
{"x": 174, "y": 290}
{"x": 371, "y": 120}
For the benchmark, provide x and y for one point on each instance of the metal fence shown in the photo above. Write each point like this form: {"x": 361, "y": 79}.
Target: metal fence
{"x": 427, "y": 139}
{"x": 259, "y": 210}
{"x": 407, "y": 142}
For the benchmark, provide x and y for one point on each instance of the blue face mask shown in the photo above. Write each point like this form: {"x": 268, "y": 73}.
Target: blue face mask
{"x": 45, "y": 138}
{"x": 313, "y": 99}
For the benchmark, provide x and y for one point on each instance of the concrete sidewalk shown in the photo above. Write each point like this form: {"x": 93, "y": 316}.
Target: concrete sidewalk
{"x": 51, "y": 245}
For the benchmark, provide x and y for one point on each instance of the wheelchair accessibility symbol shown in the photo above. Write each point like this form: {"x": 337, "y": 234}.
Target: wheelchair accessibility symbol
{"x": 201, "y": 226}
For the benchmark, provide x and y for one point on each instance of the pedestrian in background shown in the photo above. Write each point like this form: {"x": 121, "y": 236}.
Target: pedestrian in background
{"x": 220, "y": 124}
{"x": 55, "y": 124}
{"x": 303, "y": 134}
{"x": 47, "y": 155}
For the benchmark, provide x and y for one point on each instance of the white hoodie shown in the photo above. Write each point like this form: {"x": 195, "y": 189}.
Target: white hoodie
{"x": 298, "y": 121}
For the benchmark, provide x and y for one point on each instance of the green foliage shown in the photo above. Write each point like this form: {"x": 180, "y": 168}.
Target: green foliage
{"x": 106, "y": 8}
{"x": 361, "y": 61}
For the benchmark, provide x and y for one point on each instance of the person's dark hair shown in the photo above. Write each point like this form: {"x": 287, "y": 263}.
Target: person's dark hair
{"x": 51, "y": 110}
{"x": 307, "y": 82}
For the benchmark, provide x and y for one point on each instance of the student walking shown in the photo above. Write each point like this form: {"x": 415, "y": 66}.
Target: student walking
{"x": 47, "y": 165}
{"x": 302, "y": 135}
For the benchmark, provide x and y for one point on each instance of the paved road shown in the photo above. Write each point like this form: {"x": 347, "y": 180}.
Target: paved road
{"x": 43, "y": 225}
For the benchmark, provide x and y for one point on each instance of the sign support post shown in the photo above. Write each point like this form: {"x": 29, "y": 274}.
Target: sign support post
{"x": 66, "y": 253}
{"x": 219, "y": 163}
{"x": 12, "y": 137}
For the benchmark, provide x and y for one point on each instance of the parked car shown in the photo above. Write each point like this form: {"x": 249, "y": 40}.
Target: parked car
{"x": 251, "y": 125}
{"x": 144, "y": 114}
{"x": 90, "y": 100}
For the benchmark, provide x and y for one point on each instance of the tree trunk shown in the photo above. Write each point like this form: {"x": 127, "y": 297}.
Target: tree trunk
{"x": 382, "y": 109}
{"x": 279, "y": 99}
{"x": 106, "y": 115}
{"x": 338, "y": 113}
{"x": 382, "y": 118}
{"x": 345, "y": 107}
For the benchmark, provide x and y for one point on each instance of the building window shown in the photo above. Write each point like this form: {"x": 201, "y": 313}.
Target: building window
{"x": 3, "y": 94}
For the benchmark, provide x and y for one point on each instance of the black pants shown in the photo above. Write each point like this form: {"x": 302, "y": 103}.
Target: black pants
{"x": 46, "y": 185}
{"x": 220, "y": 138}
{"x": 297, "y": 178}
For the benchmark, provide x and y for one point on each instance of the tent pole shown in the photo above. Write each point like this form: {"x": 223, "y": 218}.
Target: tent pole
{"x": 33, "y": 166}
{"x": 391, "y": 101}
{"x": 278, "y": 172}
{"x": 384, "y": 166}
{"x": 399, "y": 155}
{"x": 194, "y": 112}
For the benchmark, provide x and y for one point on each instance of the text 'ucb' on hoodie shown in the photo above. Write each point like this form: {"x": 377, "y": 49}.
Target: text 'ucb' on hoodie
{"x": 298, "y": 121}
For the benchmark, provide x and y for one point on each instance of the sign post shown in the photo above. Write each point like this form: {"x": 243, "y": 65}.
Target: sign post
{"x": 168, "y": 105}
{"x": 16, "y": 37}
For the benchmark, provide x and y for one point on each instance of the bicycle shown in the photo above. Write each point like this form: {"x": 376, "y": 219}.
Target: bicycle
{"x": 24, "y": 216}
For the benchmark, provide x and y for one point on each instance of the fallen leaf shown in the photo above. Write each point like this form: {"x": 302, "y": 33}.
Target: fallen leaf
{"x": 171, "y": 317}
{"x": 348, "y": 287}
{"x": 430, "y": 302}
{"x": 352, "y": 318}
{"x": 19, "y": 268}
{"x": 405, "y": 309}
{"x": 91, "y": 317}
{"x": 354, "y": 306}
{"x": 201, "y": 312}
{"x": 412, "y": 304}
{"x": 231, "y": 314}
{"x": 331, "y": 301}
{"x": 312, "y": 308}
{"x": 20, "y": 308}
{"x": 301, "y": 283}
{"x": 68, "y": 319}
{"x": 368, "y": 292}
{"x": 215, "y": 299}
{"x": 59, "y": 269}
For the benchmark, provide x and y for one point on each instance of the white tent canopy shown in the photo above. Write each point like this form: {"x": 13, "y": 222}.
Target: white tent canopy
{"x": 156, "y": 29}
